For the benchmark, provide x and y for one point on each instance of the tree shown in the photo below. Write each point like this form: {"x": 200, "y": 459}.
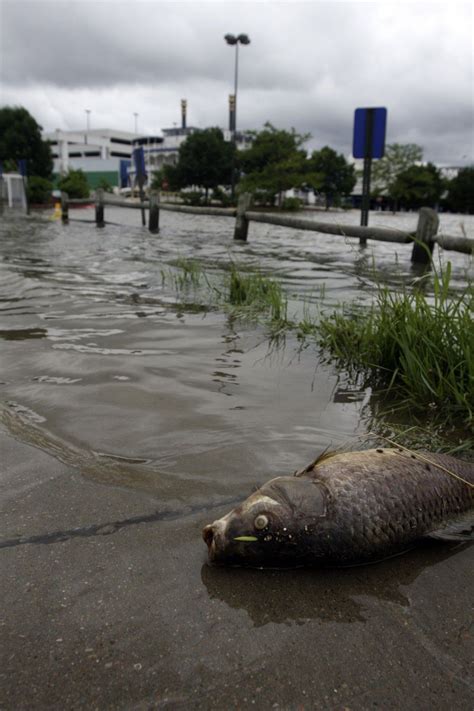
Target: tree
{"x": 74, "y": 183}
{"x": 335, "y": 177}
{"x": 397, "y": 159}
{"x": 20, "y": 137}
{"x": 418, "y": 186}
{"x": 275, "y": 162}
{"x": 204, "y": 160}
{"x": 461, "y": 191}
{"x": 166, "y": 178}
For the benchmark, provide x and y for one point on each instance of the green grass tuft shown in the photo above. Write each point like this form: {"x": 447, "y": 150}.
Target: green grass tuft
{"x": 190, "y": 274}
{"x": 420, "y": 348}
{"x": 253, "y": 295}
{"x": 416, "y": 349}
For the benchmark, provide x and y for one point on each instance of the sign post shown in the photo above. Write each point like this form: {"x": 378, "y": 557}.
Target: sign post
{"x": 2, "y": 188}
{"x": 369, "y": 142}
{"x": 22, "y": 169}
{"x": 140, "y": 175}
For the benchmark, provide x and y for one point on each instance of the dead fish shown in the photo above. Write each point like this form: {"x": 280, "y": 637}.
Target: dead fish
{"x": 348, "y": 508}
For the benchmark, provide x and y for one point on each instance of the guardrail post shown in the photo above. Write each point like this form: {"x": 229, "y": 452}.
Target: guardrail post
{"x": 64, "y": 208}
{"x": 241, "y": 223}
{"x": 428, "y": 222}
{"x": 2, "y": 193}
{"x": 99, "y": 208}
{"x": 154, "y": 212}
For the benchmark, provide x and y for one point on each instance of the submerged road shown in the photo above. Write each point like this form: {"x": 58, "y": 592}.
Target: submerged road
{"x": 132, "y": 414}
{"x": 108, "y": 605}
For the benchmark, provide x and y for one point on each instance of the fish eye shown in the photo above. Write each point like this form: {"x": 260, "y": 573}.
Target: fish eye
{"x": 261, "y": 522}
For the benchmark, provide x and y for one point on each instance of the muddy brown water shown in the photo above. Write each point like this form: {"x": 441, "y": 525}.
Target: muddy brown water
{"x": 131, "y": 416}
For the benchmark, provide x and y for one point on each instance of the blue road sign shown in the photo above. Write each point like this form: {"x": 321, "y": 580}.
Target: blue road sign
{"x": 124, "y": 167}
{"x": 139, "y": 160}
{"x": 22, "y": 167}
{"x": 369, "y": 132}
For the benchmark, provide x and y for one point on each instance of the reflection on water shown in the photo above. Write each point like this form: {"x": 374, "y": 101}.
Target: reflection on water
{"x": 287, "y": 597}
{"x": 100, "y": 346}
{"x": 21, "y": 334}
{"x": 159, "y": 401}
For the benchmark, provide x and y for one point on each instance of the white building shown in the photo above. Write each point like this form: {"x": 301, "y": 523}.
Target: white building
{"x": 97, "y": 152}
{"x": 450, "y": 171}
{"x": 164, "y": 150}
{"x": 105, "y": 154}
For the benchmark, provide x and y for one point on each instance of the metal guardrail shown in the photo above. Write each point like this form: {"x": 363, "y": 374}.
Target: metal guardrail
{"x": 423, "y": 238}
{"x": 300, "y": 223}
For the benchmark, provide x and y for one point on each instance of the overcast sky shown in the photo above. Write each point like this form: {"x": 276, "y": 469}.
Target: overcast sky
{"x": 309, "y": 65}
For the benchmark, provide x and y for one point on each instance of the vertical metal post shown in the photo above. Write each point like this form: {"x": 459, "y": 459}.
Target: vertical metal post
{"x": 64, "y": 208}
{"x": 234, "y": 132}
{"x": 231, "y": 113}
{"x": 154, "y": 212}
{"x": 2, "y": 192}
{"x": 236, "y": 76}
{"x": 25, "y": 192}
{"x": 364, "y": 215}
{"x": 99, "y": 208}
{"x": 233, "y": 39}
{"x": 142, "y": 198}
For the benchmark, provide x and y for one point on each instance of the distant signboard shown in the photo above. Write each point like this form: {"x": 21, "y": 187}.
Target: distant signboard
{"x": 369, "y": 132}
{"x": 124, "y": 167}
{"x": 22, "y": 167}
{"x": 139, "y": 161}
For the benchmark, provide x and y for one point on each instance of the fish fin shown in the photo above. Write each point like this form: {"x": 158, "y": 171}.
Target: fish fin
{"x": 462, "y": 529}
{"x": 325, "y": 454}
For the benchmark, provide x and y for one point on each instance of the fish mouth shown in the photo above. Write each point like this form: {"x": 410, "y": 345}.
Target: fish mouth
{"x": 210, "y": 536}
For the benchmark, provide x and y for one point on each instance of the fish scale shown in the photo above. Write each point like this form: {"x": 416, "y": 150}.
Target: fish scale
{"x": 348, "y": 508}
{"x": 384, "y": 506}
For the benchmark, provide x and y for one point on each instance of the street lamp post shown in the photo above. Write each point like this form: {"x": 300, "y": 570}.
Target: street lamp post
{"x": 235, "y": 40}
{"x": 136, "y": 121}
{"x": 88, "y": 113}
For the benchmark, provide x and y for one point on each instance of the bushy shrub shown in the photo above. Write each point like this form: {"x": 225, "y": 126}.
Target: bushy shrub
{"x": 291, "y": 203}
{"x": 75, "y": 184}
{"x": 39, "y": 190}
{"x": 104, "y": 184}
{"x": 225, "y": 199}
{"x": 263, "y": 197}
{"x": 193, "y": 197}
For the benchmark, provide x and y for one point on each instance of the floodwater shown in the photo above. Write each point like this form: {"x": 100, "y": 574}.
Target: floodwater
{"x": 131, "y": 415}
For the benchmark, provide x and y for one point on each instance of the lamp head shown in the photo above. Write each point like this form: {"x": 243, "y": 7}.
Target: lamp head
{"x": 232, "y": 39}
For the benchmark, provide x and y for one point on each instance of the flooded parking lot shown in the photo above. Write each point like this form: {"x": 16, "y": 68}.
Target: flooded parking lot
{"x": 131, "y": 416}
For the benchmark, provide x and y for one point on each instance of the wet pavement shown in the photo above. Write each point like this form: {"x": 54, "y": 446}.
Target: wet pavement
{"x": 127, "y": 422}
{"x": 108, "y": 604}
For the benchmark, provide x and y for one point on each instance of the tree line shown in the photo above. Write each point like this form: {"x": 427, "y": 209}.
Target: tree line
{"x": 402, "y": 180}
{"x": 275, "y": 162}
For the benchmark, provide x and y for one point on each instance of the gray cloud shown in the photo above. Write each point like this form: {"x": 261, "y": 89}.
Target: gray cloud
{"x": 309, "y": 65}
